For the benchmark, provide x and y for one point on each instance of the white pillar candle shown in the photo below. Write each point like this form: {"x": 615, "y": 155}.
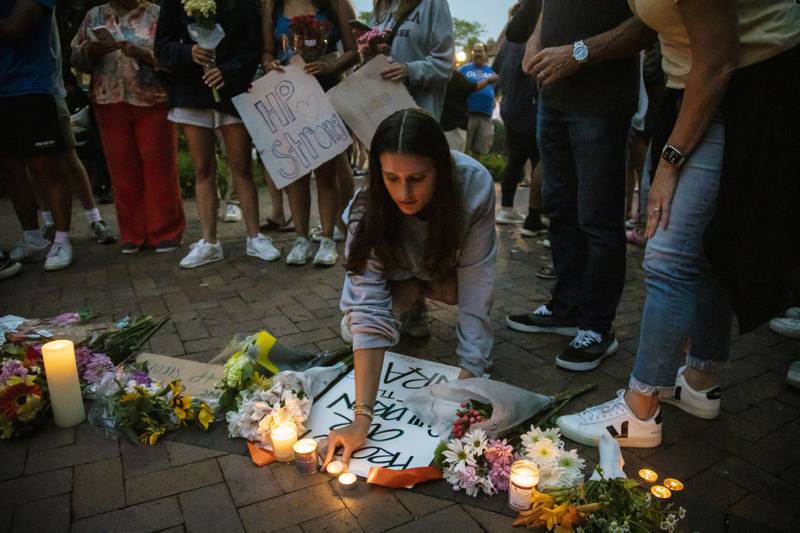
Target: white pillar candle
{"x": 347, "y": 481}
{"x": 524, "y": 477}
{"x": 63, "y": 386}
{"x": 283, "y": 438}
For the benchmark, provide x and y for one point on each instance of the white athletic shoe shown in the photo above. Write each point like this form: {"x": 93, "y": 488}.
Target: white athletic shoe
{"x": 26, "y": 252}
{"x": 316, "y": 234}
{"x": 613, "y": 417}
{"x": 700, "y": 403}
{"x": 202, "y": 253}
{"x": 508, "y": 215}
{"x": 59, "y": 257}
{"x": 788, "y": 327}
{"x": 301, "y": 252}
{"x": 261, "y": 246}
{"x": 232, "y": 213}
{"x": 793, "y": 312}
{"x": 326, "y": 255}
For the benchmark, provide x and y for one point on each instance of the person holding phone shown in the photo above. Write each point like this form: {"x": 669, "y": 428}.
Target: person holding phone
{"x": 422, "y": 48}
{"x": 422, "y": 228}
{"x": 195, "y": 72}
{"x": 130, "y": 104}
{"x": 276, "y": 16}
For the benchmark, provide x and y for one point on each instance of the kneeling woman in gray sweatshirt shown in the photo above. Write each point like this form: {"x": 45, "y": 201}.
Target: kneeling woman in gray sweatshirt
{"x": 423, "y": 228}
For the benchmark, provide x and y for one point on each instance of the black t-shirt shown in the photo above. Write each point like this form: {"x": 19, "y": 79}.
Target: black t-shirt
{"x": 608, "y": 87}
{"x": 455, "y": 113}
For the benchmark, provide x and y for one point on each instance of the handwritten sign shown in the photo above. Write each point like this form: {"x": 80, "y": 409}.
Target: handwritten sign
{"x": 397, "y": 439}
{"x": 198, "y": 378}
{"x": 293, "y": 125}
{"x": 364, "y": 99}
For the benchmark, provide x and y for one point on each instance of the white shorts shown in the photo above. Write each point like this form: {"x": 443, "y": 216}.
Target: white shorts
{"x": 203, "y": 118}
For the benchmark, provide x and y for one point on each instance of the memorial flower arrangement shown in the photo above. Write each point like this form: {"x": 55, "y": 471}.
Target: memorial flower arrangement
{"x": 23, "y": 392}
{"x": 144, "y": 409}
{"x": 475, "y": 464}
{"x": 309, "y": 36}
{"x": 286, "y": 400}
{"x": 205, "y": 31}
{"x": 601, "y": 505}
{"x": 373, "y": 43}
{"x": 471, "y": 412}
{"x": 557, "y": 466}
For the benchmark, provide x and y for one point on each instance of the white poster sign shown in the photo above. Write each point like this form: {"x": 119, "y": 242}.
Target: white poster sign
{"x": 364, "y": 99}
{"x": 397, "y": 439}
{"x": 292, "y": 123}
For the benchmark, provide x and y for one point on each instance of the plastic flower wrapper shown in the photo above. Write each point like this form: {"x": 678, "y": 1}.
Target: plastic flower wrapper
{"x": 373, "y": 43}
{"x": 205, "y": 31}
{"x": 309, "y": 36}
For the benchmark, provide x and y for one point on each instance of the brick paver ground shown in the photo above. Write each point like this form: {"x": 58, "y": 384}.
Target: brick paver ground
{"x": 741, "y": 471}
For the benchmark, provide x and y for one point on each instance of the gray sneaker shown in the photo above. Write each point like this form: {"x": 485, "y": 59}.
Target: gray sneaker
{"x": 414, "y": 322}
{"x": 793, "y": 376}
{"x": 102, "y": 233}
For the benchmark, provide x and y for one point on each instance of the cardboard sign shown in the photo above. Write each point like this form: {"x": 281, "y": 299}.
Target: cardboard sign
{"x": 397, "y": 439}
{"x": 364, "y": 99}
{"x": 198, "y": 378}
{"x": 293, "y": 125}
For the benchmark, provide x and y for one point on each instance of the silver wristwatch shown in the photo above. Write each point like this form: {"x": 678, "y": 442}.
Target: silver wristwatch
{"x": 672, "y": 155}
{"x": 580, "y": 52}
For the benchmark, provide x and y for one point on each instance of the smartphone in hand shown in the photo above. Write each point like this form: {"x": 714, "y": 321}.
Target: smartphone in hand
{"x": 102, "y": 34}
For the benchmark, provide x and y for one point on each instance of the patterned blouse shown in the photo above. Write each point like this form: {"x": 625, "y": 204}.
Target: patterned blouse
{"x": 116, "y": 77}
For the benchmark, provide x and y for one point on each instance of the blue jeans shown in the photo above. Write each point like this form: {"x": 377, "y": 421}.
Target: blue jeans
{"x": 583, "y": 194}
{"x": 685, "y": 302}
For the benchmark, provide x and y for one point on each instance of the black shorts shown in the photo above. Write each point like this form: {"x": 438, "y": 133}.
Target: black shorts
{"x": 31, "y": 126}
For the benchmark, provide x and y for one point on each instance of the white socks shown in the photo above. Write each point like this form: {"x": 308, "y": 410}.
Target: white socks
{"x": 47, "y": 218}
{"x": 62, "y": 237}
{"x": 93, "y": 215}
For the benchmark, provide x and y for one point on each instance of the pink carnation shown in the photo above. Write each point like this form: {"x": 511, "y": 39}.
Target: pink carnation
{"x": 499, "y": 452}
{"x": 499, "y": 474}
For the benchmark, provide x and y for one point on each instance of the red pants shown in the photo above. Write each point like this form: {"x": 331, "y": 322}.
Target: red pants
{"x": 141, "y": 150}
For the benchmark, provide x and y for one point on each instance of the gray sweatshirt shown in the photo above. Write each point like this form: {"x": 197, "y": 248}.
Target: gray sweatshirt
{"x": 367, "y": 296}
{"x": 424, "y": 42}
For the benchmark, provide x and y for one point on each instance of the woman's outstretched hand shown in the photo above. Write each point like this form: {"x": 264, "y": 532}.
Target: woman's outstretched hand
{"x": 350, "y": 438}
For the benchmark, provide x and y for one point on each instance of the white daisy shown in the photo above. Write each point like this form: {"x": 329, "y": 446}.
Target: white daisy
{"x": 458, "y": 457}
{"x": 475, "y": 441}
{"x": 571, "y": 460}
{"x": 544, "y": 452}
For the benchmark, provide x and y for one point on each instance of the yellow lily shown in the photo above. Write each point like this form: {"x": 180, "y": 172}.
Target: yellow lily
{"x": 205, "y": 416}
{"x": 553, "y": 516}
{"x": 263, "y": 343}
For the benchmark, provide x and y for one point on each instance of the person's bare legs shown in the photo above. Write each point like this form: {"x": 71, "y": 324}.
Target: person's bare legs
{"x": 201, "y": 142}
{"x": 535, "y": 193}
{"x": 21, "y": 193}
{"x": 237, "y": 146}
{"x": 276, "y": 200}
{"x": 346, "y": 186}
{"x": 299, "y": 193}
{"x": 57, "y": 193}
{"x": 327, "y": 195}
{"x": 78, "y": 178}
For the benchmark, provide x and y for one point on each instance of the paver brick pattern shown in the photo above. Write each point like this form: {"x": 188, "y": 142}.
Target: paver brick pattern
{"x": 741, "y": 471}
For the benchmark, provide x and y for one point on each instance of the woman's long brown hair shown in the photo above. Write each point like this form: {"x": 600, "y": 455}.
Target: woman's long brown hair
{"x": 404, "y": 8}
{"x": 378, "y": 220}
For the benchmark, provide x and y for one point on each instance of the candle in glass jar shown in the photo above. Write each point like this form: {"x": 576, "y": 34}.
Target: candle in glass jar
{"x": 524, "y": 477}
{"x": 283, "y": 438}
{"x": 661, "y": 492}
{"x": 63, "y": 386}
{"x": 347, "y": 481}
{"x": 673, "y": 484}
{"x": 648, "y": 475}
{"x": 335, "y": 468}
{"x": 305, "y": 456}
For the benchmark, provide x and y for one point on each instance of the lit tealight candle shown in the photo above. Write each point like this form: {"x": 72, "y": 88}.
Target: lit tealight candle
{"x": 661, "y": 492}
{"x": 335, "y": 468}
{"x": 283, "y": 438}
{"x": 648, "y": 475}
{"x": 347, "y": 481}
{"x": 63, "y": 386}
{"x": 305, "y": 456}
{"x": 673, "y": 484}
{"x": 524, "y": 477}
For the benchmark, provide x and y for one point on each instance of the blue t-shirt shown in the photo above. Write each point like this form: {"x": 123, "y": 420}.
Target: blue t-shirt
{"x": 480, "y": 101}
{"x": 26, "y": 66}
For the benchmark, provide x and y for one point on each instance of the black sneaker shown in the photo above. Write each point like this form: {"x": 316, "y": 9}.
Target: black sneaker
{"x": 542, "y": 321}
{"x": 8, "y": 267}
{"x": 533, "y": 226}
{"x": 587, "y": 350}
{"x": 102, "y": 233}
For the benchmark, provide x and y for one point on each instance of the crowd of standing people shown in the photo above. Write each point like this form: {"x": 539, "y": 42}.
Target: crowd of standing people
{"x": 713, "y": 157}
